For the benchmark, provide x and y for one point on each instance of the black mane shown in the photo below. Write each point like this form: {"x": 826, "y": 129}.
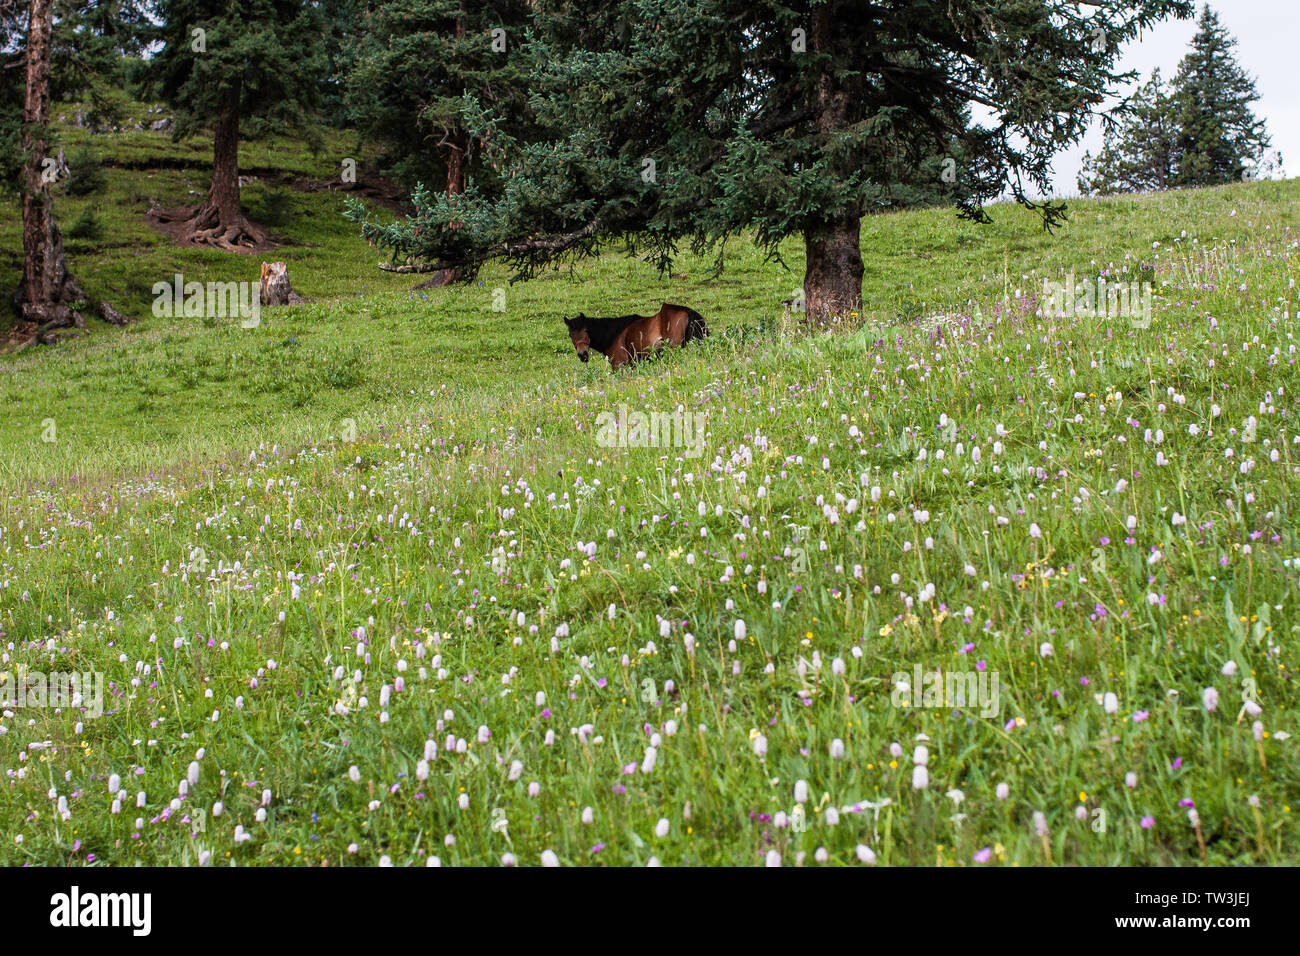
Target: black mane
{"x": 602, "y": 332}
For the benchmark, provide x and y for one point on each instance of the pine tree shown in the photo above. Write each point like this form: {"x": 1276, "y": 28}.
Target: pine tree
{"x": 49, "y": 298}
{"x": 419, "y": 71}
{"x": 227, "y": 62}
{"x": 671, "y": 121}
{"x": 1219, "y": 136}
{"x": 1141, "y": 153}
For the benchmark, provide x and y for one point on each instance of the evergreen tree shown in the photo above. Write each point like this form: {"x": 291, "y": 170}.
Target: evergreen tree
{"x": 49, "y": 297}
{"x": 87, "y": 41}
{"x": 13, "y": 31}
{"x": 227, "y": 62}
{"x": 1141, "y": 151}
{"x": 416, "y": 69}
{"x": 1218, "y": 134}
{"x": 669, "y": 121}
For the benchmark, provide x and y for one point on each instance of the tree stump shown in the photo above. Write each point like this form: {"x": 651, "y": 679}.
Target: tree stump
{"x": 275, "y": 288}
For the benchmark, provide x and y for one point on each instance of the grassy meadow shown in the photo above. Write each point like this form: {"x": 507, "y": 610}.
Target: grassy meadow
{"x": 376, "y": 583}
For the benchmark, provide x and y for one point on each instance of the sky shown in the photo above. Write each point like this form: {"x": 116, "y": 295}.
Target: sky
{"x": 1268, "y": 48}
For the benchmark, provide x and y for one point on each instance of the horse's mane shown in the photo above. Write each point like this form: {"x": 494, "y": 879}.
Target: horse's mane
{"x": 603, "y": 332}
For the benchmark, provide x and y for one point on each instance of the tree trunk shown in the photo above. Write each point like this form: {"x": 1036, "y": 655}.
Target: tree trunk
{"x": 832, "y": 282}
{"x": 223, "y": 195}
{"x": 48, "y": 291}
{"x": 220, "y": 221}
{"x": 275, "y": 288}
{"x": 457, "y": 141}
{"x": 455, "y": 185}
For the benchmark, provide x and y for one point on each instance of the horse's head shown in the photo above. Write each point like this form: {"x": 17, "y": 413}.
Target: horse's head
{"x": 580, "y": 336}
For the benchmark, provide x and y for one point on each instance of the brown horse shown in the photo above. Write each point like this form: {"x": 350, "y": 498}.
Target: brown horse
{"x": 630, "y": 338}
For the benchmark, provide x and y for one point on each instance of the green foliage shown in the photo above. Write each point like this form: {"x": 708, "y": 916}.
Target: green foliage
{"x": 260, "y": 57}
{"x": 415, "y": 70}
{"x": 1219, "y": 134}
{"x": 1199, "y": 131}
{"x": 108, "y": 106}
{"x": 777, "y": 120}
{"x": 1141, "y": 153}
{"x": 85, "y": 172}
{"x": 88, "y": 226}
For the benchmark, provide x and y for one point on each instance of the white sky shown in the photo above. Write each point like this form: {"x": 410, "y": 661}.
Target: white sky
{"x": 1268, "y": 48}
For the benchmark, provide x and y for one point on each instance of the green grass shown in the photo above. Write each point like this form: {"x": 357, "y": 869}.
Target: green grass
{"x": 255, "y": 534}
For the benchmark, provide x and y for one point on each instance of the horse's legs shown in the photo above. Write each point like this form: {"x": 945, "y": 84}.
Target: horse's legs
{"x": 618, "y": 355}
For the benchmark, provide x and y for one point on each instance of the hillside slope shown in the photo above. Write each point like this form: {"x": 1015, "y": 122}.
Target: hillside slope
{"x": 378, "y": 582}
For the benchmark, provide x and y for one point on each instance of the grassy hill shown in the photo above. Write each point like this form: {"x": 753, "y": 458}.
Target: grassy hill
{"x": 377, "y": 578}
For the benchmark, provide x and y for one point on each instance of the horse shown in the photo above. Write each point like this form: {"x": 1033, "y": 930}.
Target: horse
{"x": 630, "y": 338}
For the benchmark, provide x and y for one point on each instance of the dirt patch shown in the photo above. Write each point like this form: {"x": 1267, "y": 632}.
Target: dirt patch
{"x": 176, "y": 224}
{"x": 377, "y": 189}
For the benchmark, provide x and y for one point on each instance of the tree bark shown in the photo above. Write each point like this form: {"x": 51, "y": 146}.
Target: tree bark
{"x": 832, "y": 283}
{"x": 275, "y": 288}
{"x": 833, "y": 272}
{"x": 223, "y": 195}
{"x": 455, "y": 185}
{"x": 457, "y": 142}
{"x": 48, "y": 291}
{"x": 220, "y": 221}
